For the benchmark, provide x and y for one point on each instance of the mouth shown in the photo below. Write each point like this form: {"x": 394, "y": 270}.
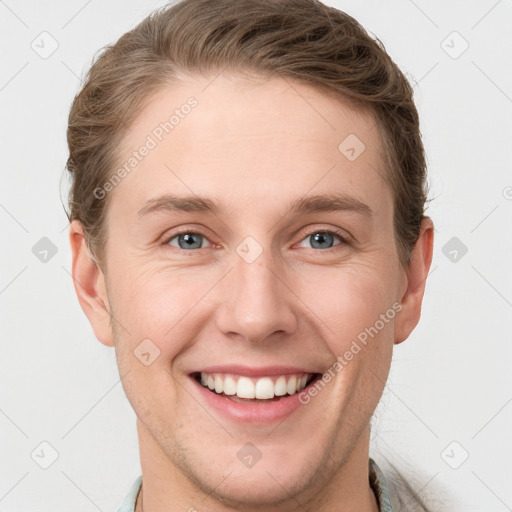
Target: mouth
{"x": 255, "y": 390}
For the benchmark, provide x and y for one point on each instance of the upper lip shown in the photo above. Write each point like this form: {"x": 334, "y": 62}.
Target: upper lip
{"x": 251, "y": 371}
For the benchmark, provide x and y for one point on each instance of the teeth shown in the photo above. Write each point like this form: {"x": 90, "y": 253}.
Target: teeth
{"x": 280, "y": 386}
{"x": 245, "y": 388}
{"x": 229, "y": 386}
{"x": 291, "y": 387}
{"x": 218, "y": 384}
{"x": 263, "y": 388}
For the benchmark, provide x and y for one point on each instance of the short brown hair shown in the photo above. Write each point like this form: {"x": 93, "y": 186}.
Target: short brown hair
{"x": 302, "y": 40}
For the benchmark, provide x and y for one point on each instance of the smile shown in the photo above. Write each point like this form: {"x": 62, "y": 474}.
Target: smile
{"x": 262, "y": 388}
{"x": 252, "y": 395}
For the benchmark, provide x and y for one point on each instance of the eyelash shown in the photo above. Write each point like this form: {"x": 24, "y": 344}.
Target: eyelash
{"x": 343, "y": 239}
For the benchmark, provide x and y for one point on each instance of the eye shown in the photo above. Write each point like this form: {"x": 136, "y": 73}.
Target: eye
{"x": 319, "y": 239}
{"x": 324, "y": 239}
{"x": 187, "y": 240}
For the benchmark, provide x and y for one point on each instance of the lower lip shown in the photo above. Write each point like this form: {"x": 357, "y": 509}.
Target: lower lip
{"x": 248, "y": 412}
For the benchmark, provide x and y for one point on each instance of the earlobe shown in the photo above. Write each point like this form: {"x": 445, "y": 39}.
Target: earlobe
{"x": 417, "y": 272}
{"x": 90, "y": 286}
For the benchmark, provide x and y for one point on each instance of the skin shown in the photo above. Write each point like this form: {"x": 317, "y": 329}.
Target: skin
{"x": 253, "y": 146}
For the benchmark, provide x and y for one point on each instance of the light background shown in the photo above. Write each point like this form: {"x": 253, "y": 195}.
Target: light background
{"x": 451, "y": 381}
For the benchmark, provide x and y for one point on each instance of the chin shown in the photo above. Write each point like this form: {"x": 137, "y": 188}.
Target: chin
{"x": 280, "y": 474}
{"x": 267, "y": 486}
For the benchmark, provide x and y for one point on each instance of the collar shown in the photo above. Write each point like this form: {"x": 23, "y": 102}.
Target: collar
{"x": 379, "y": 487}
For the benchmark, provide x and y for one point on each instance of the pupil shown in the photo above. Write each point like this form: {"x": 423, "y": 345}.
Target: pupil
{"x": 319, "y": 238}
{"x": 189, "y": 241}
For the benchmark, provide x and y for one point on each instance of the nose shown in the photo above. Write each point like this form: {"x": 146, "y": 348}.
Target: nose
{"x": 257, "y": 303}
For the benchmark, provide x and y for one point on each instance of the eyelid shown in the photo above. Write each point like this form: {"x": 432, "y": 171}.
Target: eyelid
{"x": 318, "y": 228}
{"x": 344, "y": 238}
{"x": 166, "y": 238}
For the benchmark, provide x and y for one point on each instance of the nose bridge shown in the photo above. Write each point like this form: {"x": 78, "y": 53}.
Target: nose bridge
{"x": 257, "y": 303}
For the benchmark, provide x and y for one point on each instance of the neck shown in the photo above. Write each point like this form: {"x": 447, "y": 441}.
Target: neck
{"x": 166, "y": 488}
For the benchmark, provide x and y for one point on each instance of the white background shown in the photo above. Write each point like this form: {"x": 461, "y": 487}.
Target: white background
{"x": 451, "y": 381}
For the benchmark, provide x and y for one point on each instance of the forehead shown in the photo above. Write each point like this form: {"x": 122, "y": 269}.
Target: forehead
{"x": 250, "y": 140}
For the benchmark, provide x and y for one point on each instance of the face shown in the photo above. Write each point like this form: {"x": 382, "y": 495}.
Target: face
{"x": 250, "y": 253}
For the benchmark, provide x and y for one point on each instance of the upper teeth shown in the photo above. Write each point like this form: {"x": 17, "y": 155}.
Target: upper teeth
{"x": 261, "y": 388}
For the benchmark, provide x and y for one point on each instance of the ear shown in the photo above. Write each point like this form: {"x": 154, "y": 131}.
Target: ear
{"x": 416, "y": 277}
{"x": 90, "y": 287}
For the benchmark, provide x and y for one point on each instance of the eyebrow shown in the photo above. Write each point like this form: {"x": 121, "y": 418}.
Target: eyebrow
{"x": 308, "y": 204}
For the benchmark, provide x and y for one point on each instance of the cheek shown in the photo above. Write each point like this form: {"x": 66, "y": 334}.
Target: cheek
{"x": 349, "y": 301}
{"x": 144, "y": 298}
{"x": 353, "y": 307}
{"x": 164, "y": 306}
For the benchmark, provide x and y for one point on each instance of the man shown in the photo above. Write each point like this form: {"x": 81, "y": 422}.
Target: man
{"x": 247, "y": 231}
